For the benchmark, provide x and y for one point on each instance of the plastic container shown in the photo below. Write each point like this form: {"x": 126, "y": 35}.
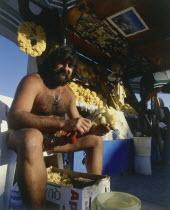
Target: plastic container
{"x": 118, "y": 158}
{"x": 142, "y": 146}
{"x": 116, "y": 201}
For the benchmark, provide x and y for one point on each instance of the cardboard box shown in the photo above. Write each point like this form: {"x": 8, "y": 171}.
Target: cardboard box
{"x": 81, "y": 196}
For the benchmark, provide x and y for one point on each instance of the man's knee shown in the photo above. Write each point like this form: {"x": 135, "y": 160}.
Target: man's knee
{"x": 27, "y": 140}
{"x": 94, "y": 141}
{"x": 98, "y": 141}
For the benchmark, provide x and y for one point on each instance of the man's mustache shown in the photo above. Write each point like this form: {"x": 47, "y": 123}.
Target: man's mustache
{"x": 61, "y": 71}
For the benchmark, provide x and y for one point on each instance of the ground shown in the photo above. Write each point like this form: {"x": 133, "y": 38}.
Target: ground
{"x": 153, "y": 190}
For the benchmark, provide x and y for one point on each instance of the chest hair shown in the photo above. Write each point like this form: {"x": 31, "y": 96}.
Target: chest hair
{"x": 44, "y": 105}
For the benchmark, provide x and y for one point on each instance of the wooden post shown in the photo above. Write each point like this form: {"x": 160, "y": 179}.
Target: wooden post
{"x": 167, "y": 143}
{"x": 156, "y": 128}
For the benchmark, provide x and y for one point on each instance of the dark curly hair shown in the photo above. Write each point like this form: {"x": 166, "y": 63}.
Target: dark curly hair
{"x": 59, "y": 55}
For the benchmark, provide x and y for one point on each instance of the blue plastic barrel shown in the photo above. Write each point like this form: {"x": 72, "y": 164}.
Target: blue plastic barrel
{"x": 117, "y": 158}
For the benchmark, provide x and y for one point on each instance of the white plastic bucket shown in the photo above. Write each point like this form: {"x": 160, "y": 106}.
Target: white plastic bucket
{"x": 142, "y": 146}
{"x": 116, "y": 201}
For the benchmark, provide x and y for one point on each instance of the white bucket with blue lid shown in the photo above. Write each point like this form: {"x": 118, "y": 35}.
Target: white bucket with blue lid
{"x": 116, "y": 201}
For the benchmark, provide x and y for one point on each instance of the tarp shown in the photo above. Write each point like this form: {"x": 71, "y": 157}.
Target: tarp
{"x": 10, "y": 17}
{"x": 161, "y": 80}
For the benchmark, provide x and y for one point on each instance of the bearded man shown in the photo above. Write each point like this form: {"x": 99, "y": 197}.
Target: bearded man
{"x": 37, "y": 112}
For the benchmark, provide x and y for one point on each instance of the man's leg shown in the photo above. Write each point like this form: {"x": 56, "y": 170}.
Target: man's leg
{"x": 31, "y": 170}
{"x": 94, "y": 160}
{"x": 94, "y": 146}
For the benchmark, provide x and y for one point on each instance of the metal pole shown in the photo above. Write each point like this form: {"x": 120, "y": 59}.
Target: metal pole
{"x": 64, "y": 21}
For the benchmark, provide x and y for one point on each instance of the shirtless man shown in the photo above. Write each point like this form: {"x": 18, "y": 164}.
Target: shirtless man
{"x": 40, "y": 102}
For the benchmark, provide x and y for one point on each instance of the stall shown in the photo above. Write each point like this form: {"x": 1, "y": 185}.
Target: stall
{"x": 120, "y": 52}
{"x": 123, "y": 50}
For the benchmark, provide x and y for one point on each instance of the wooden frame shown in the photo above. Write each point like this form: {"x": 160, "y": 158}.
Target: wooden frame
{"x": 128, "y": 22}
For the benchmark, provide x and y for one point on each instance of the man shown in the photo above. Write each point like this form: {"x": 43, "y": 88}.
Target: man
{"x": 40, "y": 102}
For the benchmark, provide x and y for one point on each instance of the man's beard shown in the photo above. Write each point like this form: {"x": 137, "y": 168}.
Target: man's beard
{"x": 58, "y": 78}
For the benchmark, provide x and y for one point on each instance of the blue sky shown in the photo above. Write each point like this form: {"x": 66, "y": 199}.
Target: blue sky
{"x": 13, "y": 67}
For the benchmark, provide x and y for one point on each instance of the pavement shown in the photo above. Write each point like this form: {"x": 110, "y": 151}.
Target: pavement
{"x": 153, "y": 190}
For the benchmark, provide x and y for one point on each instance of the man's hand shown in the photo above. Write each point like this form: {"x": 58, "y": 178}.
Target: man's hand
{"x": 79, "y": 124}
{"x": 101, "y": 130}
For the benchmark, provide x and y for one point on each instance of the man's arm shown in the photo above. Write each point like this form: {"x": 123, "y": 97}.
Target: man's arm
{"x": 83, "y": 125}
{"x": 20, "y": 115}
{"x": 76, "y": 122}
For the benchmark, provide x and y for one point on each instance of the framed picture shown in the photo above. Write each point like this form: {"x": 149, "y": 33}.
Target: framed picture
{"x": 128, "y": 22}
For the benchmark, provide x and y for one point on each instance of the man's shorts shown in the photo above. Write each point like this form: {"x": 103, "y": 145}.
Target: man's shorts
{"x": 50, "y": 141}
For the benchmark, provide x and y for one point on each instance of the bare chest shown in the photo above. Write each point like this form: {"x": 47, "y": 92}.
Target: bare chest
{"x": 45, "y": 104}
